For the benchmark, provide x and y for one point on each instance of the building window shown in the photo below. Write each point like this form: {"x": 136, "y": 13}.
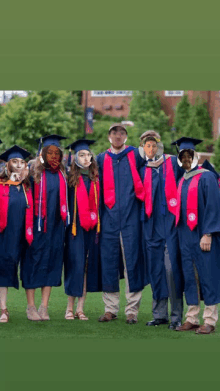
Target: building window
{"x": 110, "y": 93}
{"x": 107, "y": 107}
{"x": 118, "y": 107}
{"x": 174, "y": 93}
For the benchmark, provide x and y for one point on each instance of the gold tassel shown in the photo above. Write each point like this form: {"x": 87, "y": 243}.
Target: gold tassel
{"x": 74, "y": 214}
{"x": 96, "y": 202}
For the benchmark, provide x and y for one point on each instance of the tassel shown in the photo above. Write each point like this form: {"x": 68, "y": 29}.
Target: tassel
{"x": 74, "y": 214}
{"x": 39, "y": 147}
{"x": 96, "y": 202}
{"x": 69, "y": 158}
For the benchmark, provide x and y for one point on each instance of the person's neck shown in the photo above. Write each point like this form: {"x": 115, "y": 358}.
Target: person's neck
{"x": 84, "y": 171}
{"x": 116, "y": 151}
{"x": 148, "y": 158}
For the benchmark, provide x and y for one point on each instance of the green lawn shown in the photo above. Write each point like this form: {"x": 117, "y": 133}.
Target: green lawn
{"x": 19, "y": 327}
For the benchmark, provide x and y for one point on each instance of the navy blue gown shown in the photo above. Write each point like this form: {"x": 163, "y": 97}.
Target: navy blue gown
{"x": 123, "y": 218}
{"x": 170, "y": 231}
{"x": 77, "y": 249}
{"x": 154, "y": 240}
{"x": 43, "y": 262}
{"x": 207, "y": 263}
{"x": 12, "y": 239}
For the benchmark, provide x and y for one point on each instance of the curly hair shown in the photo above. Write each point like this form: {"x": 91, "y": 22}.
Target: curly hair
{"x": 37, "y": 167}
{"x": 75, "y": 172}
{"x": 6, "y": 173}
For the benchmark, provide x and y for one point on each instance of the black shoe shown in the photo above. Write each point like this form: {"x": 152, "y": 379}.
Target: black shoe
{"x": 174, "y": 325}
{"x": 157, "y": 322}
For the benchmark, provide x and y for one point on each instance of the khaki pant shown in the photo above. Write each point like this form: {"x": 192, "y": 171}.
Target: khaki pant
{"x": 210, "y": 313}
{"x": 111, "y": 300}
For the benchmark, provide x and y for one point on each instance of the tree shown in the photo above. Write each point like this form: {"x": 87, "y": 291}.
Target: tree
{"x": 182, "y": 114}
{"x": 192, "y": 129}
{"x": 203, "y": 117}
{"x": 23, "y": 120}
{"x": 146, "y": 112}
{"x": 216, "y": 157}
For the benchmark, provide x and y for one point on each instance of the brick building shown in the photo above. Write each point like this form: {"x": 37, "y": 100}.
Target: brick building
{"x": 116, "y": 103}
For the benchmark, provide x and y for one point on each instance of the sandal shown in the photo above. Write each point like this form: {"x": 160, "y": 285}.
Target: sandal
{"x": 4, "y": 316}
{"x": 69, "y": 315}
{"x": 81, "y": 316}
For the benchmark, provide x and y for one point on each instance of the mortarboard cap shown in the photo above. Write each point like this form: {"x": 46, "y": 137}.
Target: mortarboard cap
{"x": 80, "y": 144}
{"x": 13, "y": 153}
{"x": 52, "y": 139}
{"x": 209, "y": 167}
{"x": 186, "y": 143}
{"x": 77, "y": 146}
{"x": 113, "y": 126}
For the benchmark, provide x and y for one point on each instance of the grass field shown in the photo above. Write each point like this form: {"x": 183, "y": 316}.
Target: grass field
{"x": 20, "y": 327}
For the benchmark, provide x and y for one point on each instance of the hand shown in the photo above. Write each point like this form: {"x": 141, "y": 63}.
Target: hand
{"x": 15, "y": 177}
{"x": 205, "y": 243}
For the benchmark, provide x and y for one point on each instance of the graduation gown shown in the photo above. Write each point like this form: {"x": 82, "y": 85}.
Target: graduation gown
{"x": 77, "y": 248}
{"x": 42, "y": 265}
{"x": 170, "y": 231}
{"x": 12, "y": 239}
{"x": 124, "y": 218}
{"x": 207, "y": 263}
{"x": 154, "y": 240}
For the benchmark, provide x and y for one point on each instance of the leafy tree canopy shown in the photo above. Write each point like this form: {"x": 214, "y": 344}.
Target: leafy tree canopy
{"x": 23, "y": 120}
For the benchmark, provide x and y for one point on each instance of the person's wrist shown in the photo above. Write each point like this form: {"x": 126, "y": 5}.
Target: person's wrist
{"x": 209, "y": 235}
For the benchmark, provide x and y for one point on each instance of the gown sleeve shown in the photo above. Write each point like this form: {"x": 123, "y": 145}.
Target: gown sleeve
{"x": 211, "y": 195}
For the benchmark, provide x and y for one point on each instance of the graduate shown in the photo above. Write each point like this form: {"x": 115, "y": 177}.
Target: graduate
{"x": 120, "y": 240}
{"x": 198, "y": 223}
{"x": 16, "y": 220}
{"x": 42, "y": 265}
{"x": 81, "y": 262}
{"x": 161, "y": 244}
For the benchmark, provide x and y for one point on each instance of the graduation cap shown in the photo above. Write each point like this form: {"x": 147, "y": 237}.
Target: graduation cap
{"x": 78, "y": 146}
{"x": 13, "y": 153}
{"x": 186, "y": 143}
{"x": 52, "y": 139}
{"x": 209, "y": 167}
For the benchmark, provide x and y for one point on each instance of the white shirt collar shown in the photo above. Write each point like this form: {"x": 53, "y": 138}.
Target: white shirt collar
{"x": 153, "y": 159}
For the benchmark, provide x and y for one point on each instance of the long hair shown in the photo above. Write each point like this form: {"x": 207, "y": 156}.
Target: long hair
{"x": 37, "y": 167}
{"x": 75, "y": 172}
{"x": 7, "y": 171}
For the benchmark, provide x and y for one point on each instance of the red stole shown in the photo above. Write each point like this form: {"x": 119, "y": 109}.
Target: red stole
{"x": 148, "y": 191}
{"x": 170, "y": 186}
{"x": 4, "y": 202}
{"x": 40, "y": 198}
{"x": 192, "y": 202}
{"x": 88, "y": 208}
{"x": 109, "y": 183}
